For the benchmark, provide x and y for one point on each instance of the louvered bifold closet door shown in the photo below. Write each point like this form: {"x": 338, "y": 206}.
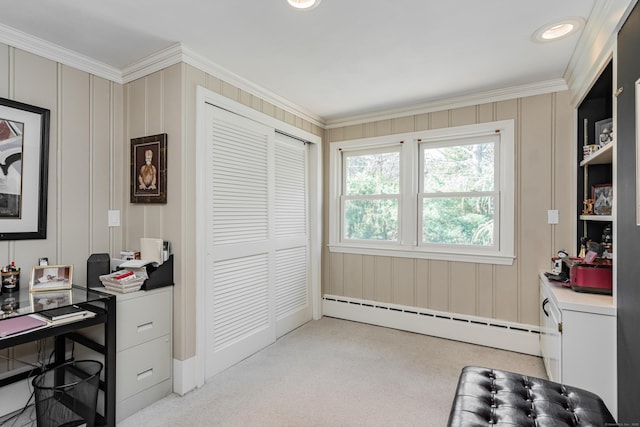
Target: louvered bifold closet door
{"x": 293, "y": 307}
{"x": 239, "y": 269}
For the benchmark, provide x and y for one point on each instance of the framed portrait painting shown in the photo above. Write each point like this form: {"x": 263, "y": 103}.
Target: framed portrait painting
{"x": 149, "y": 169}
{"x": 24, "y": 161}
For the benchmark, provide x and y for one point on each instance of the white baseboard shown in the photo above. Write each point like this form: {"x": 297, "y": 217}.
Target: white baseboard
{"x": 494, "y": 333}
{"x": 184, "y": 376}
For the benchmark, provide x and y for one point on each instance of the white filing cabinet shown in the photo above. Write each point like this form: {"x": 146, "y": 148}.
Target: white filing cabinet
{"x": 144, "y": 346}
{"x": 578, "y": 339}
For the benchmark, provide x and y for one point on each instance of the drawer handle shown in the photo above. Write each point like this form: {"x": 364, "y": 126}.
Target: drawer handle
{"x": 145, "y": 327}
{"x": 144, "y": 374}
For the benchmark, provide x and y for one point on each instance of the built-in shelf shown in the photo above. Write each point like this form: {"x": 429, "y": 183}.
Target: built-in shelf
{"x": 603, "y": 218}
{"x": 603, "y": 156}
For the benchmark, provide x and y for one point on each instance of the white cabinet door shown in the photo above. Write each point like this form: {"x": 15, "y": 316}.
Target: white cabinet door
{"x": 550, "y": 336}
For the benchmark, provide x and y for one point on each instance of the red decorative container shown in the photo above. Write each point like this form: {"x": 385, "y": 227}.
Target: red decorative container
{"x": 596, "y": 277}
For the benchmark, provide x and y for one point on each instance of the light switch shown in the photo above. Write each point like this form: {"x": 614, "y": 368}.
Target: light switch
{"x": 552, "y": 216}
{"x": 114, "y": 218}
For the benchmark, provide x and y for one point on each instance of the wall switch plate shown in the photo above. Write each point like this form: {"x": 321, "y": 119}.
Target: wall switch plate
{"x": 114, "y": 218}
{"x": 552, "y": 216}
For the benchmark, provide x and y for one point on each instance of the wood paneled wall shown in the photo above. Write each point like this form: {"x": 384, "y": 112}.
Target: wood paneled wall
{"x": 544, "y": 173}
{"x": 85, "y": 163}
{"x": 85, "y": 155}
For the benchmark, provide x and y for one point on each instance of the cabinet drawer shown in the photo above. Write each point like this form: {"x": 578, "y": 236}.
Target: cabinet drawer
{"x": 143, "y": 366}
{"x": 143, "y": 319}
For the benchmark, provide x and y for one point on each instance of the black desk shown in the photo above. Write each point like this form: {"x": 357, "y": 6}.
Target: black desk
{"x": 104, "y": 305}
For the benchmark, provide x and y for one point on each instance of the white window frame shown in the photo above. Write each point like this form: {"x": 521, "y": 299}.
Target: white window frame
{"x": 408, "y": 245}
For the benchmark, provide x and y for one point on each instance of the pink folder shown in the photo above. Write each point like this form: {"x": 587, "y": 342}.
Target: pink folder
{"x": 15, "y": 325}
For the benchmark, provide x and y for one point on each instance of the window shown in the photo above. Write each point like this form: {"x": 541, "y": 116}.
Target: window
{"x": 441, "y": 194}
{"x": 371, "y": 195}
{"x": 458, "y": 192}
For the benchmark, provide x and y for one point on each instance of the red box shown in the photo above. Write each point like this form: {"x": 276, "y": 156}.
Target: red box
{"x": 594, "y": 278}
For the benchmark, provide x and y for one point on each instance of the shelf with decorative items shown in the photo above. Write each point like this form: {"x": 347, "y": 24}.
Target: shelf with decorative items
{"x": 602, "y": 155}
{"x": 596, "y": 147}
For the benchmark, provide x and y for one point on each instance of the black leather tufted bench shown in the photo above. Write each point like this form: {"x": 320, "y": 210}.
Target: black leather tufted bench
{"x": 491, "y": 397}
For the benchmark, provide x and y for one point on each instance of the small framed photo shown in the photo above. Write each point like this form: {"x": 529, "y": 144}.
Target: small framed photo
{"x": 149, "y": 169}
{"x": 604, "y": 132}
{"x": 53, "y": 299}
{"x": 602, "y": 196}
{"x": 51, "y": 278}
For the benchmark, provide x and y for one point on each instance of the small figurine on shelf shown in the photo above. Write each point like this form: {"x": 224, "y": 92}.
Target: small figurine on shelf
{"x": 588, "y": 206}
{"x": 583, "y": 247}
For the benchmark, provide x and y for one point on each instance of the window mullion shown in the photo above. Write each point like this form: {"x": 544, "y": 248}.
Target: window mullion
{"x": 408, "y": 180}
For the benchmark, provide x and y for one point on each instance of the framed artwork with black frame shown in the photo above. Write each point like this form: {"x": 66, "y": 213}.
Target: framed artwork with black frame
{"x": 149, "y": 169}
{"x": 24, "y": 166}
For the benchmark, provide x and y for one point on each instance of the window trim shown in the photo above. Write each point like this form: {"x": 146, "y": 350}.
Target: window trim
{"x": 408, "y": 246}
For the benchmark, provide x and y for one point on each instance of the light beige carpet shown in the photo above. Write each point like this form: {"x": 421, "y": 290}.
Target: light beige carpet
{"x": 334, "y": 372}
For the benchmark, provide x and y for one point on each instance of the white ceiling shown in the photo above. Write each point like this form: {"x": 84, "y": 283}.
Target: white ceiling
{"x": 343, "y": 58}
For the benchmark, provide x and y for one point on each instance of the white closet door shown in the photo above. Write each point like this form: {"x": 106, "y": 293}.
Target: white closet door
{"x": 239, "y": 278}
{"x": 293, "y": 306}
{"x": 257, "y": 275}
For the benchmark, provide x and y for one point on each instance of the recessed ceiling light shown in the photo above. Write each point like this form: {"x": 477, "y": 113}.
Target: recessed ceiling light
{"x": 304, "y": 4}
{"x": 558, "y": 30}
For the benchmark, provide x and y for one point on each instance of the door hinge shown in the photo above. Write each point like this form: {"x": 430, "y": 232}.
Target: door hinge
{"x": 560, "y": 327}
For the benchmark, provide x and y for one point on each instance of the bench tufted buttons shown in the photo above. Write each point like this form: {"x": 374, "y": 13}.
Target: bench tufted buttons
{"x": 522, "y": 398}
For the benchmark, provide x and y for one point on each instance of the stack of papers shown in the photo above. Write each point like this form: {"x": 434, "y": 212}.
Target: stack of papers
{"x": 126, "y": 280}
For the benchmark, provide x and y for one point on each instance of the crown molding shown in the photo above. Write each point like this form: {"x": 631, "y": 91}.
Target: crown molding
{"x": 180, "y": 53}
{"x": 153, "y": 63}
{"x": 596, "y": 45}
{"x": 148, "y": 65}
{"x": 195, "y": 59}
{"x": 521, "y": 91}
{"x": 48, "y": 50}
{"x": 595, "y": 48}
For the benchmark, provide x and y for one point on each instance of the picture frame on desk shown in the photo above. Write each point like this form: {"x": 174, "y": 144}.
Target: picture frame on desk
{"x": 51, "y": 278}
{"x": 47, "y": 300}
{"x": 24, "y": 164}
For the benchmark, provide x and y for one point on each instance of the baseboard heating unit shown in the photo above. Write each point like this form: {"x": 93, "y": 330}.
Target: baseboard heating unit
{"x": 471, "y": 329}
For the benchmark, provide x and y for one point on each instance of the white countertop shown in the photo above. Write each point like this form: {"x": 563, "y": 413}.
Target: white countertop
{"x": 569, "y": 299}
